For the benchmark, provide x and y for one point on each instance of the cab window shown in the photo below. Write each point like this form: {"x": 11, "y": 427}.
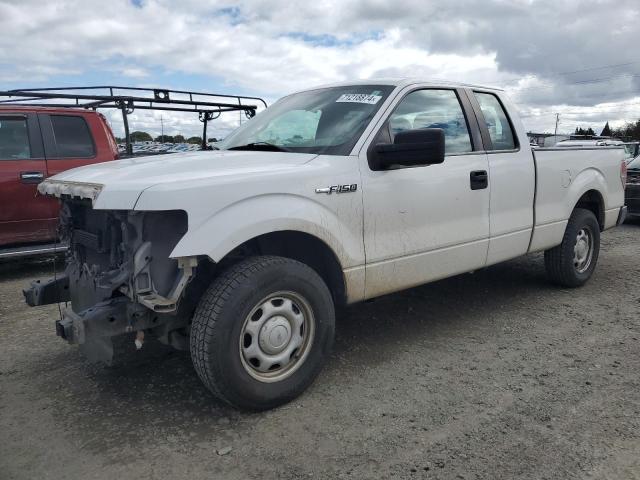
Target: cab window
{"x": 497, "y": 122}
{"x": 72, "y": 136}
{"x": 14, "y": 139}
{"x": 433, "y": 109}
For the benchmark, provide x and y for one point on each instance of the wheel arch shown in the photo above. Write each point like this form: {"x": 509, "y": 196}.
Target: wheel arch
{"x": 593, "y": 201}
{"x": 296, "y": 245}
{"x": 305, "y": 248}
{"x": 588, "y": 190}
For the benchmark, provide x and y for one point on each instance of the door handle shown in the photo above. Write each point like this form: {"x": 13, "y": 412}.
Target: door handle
{"x": 478, "y": 179}
{"x": 31, "y": 177}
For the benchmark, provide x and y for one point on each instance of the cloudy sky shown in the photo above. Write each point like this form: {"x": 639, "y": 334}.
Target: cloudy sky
{"x": 577, "y": 58}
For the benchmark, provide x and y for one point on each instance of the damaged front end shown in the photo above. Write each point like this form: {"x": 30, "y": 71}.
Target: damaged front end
{"x": 119, "y": 278}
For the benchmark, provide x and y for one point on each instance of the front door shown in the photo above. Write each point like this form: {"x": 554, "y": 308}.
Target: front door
{"x": 25, "y": 216}
{"x": 429, "y": 222}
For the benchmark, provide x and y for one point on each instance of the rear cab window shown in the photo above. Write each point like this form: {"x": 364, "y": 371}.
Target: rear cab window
{"x": 72, "y": 136}
{"x": 497, "y": 122}
{"x": 14, "y": 138}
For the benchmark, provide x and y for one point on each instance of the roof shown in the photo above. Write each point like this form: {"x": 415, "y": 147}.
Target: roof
{"x": 35, "y": 108}
{"x": 404, "y": 82}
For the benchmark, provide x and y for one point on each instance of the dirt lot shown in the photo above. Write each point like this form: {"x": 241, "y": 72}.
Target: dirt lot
{"x": 491, "y": 375}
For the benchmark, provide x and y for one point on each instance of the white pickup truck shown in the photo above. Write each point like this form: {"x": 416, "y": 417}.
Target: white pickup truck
{"x": 329, "y": 197}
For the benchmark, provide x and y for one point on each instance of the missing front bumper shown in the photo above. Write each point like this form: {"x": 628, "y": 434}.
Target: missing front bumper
{"x": 53, "y": 290}
{"x": 106, "y": 330}
{"x": 93, "y": 328}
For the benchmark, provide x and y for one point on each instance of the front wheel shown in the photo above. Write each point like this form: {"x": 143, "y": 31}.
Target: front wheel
{"x": 262, "y": 332}
{"x": 572, "y": 263}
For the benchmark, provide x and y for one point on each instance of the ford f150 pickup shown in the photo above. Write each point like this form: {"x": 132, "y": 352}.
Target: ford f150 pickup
{"x": 35, "y": 143}
{"x": 329, "y": 197}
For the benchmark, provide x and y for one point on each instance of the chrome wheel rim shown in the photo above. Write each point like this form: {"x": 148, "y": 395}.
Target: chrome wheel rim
{"x": 583, "y": 250}
{"x": 276, "y": 336}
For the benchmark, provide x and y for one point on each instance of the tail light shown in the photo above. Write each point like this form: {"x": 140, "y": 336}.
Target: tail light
{"x": 623, "y": 173}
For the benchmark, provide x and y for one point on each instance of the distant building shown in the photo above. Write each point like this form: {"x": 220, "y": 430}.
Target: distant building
{"x": 546, "y": 139}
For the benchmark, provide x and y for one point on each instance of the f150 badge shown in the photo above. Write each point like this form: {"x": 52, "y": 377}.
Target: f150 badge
{"x": 338, "y": 189}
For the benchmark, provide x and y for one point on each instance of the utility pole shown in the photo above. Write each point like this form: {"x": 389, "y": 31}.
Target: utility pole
{"x": 557, "y": 120}
{"x": 162, "y": 128}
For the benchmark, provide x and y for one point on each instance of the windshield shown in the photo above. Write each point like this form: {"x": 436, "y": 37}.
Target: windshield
{"x": 327, "y": 120}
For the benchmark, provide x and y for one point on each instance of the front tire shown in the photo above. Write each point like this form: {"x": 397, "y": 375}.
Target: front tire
{"x": 572, "y": 263}
{"x": 262, "y": 332}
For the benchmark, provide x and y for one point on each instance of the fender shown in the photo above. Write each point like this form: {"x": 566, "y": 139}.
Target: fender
{"x": 239, "y": 222}
{"x": 589, "y": 179}
{"x": 553, "y": 215}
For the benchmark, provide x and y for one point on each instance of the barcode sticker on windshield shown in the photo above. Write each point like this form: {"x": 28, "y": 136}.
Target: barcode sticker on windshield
{"x": 359, "y": 98}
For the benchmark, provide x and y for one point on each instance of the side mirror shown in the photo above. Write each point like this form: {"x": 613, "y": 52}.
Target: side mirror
{"x": 411, "y": 148}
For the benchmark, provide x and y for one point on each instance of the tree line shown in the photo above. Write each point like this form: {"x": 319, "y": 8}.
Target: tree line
{"x": 139, "y": 136}
{"x": 582, "y": 131}
{"x": 628, "y": 132}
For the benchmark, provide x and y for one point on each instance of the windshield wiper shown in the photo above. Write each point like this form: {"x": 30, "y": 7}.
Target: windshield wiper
{"x": 260, "y": 146}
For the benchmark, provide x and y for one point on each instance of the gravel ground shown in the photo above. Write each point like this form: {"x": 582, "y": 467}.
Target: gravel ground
{"x": 493, "y": 375}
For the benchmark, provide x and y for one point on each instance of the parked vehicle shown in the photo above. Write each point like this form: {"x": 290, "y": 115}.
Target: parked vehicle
{"x": 42, "y": 133}
{"x": 579, "y": 143}
{"x": 632, "y": 192}
{"x": 36, "y": 143}
{"x": 591, "y": 143}
{"x": 329, "y": 197}
{"x": 632, "y": 150}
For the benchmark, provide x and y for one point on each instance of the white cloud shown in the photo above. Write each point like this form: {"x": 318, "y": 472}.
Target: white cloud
{"x": 538, "y": 49}
{"x": 134, "y": 72}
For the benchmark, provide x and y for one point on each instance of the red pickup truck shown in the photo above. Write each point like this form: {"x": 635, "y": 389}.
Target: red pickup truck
{"x": 35, "y": 143}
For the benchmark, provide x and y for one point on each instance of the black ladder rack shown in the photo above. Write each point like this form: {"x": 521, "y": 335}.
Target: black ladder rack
{"x": 208, "y": 106}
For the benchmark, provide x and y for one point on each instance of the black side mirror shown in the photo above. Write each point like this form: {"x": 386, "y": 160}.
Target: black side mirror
{"x": 410, "y": 148}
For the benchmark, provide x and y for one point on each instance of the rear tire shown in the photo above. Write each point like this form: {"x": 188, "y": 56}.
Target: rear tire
{"x": 262, "y": 332}
{"x": 572, "y": 263}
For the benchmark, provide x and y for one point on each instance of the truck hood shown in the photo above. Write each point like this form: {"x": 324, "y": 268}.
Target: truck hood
{"x": 122, "y": 181}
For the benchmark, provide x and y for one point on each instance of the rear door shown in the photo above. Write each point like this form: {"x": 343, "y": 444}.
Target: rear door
{"x": 512, "y": 174}
{"x": 68, "y": 141}
{"x": 25, "y": 216}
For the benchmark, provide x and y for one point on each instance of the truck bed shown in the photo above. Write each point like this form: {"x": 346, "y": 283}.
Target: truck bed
{"x": 561, "y": 178}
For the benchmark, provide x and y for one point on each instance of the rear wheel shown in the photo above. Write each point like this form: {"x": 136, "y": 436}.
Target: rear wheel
{"x": 572, "y": 263}
{"x": 262, "y": 332}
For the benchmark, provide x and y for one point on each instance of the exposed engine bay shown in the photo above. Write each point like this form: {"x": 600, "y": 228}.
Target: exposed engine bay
{"x": 119, "y": 278}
